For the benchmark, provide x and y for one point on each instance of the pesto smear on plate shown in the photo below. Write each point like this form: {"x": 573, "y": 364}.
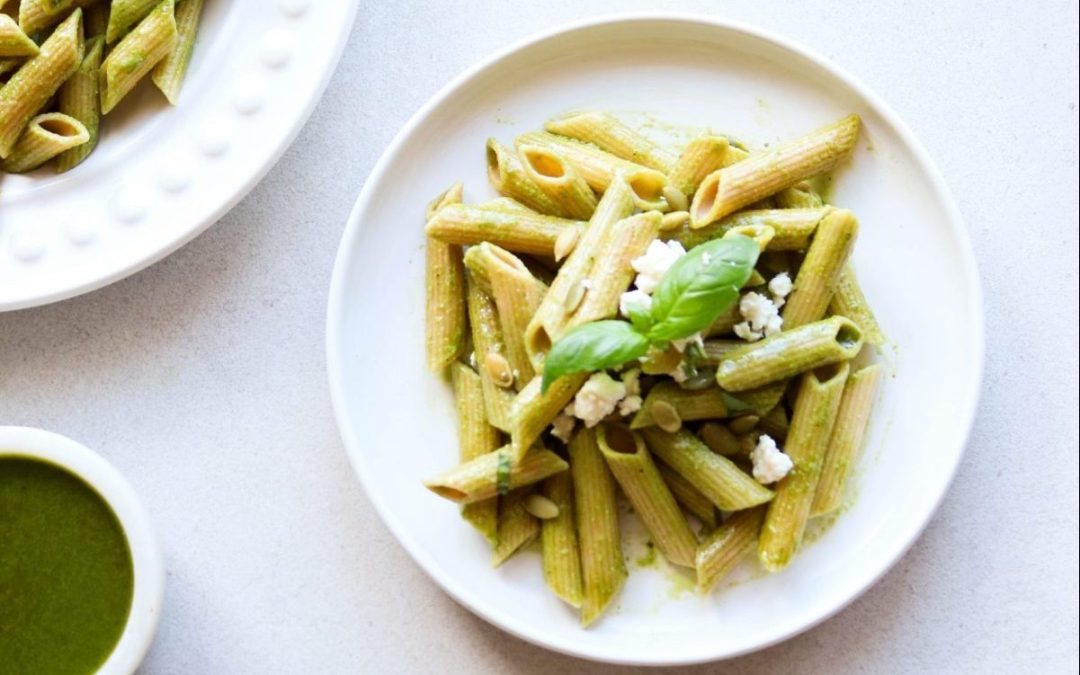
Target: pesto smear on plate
{"x": 66, "y": 575}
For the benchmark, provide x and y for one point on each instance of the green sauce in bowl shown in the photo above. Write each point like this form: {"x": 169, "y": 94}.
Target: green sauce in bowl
{"x": 66, "y": 573}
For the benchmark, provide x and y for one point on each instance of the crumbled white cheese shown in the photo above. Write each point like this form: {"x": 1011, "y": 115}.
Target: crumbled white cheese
{"x": 632, "y": 380}
{"x": 770, "y": 464}
{"x": 762, "y": 317}
{"x": 630, "y": 405}
{"x": 780, "y": 286}
{"x": 562, "y": 427}
{"x": 744, "y": 331}
{"x": 597, "y": 398}
{"x": 658, "y": 258}
{"x": 634, "y": 301}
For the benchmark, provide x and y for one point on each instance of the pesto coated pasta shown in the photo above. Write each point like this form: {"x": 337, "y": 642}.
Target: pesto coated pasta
{"x": 669, "y": 326}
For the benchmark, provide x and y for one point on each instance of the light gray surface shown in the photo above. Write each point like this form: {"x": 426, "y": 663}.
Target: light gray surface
{"x": 203, "y": 377}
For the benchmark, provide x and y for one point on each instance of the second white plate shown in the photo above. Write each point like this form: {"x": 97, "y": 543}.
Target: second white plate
{"x": 913, "y": 258}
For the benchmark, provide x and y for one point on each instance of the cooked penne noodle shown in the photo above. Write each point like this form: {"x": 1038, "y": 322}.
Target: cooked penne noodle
{"x": 848, "y": 300}
{"x": 558, "y": 179}
{"x": 11, "y": 64}
{"x": 96, "y": 20}
{"x": 137, "y": 53}
{"x": 532, "y": 411}
{"x": 559, "y": 540}
{"x": 847, "y": 438}
{"x": 551, "y": 318}
{"x": 487, "y": 339}
{"x": 762, "y": 236}
{"x": 13, "y": 41}
{"x": 475, "y": 438}
{"x": 511, "y": 229}
{"x": 169, "y": 73}
{"x": 123, "y": 14}
{"x": 445, "y": 284}
{"x": 719, "y": 438}
{"x": 598, "y": 168}
{"x": 494, "y": 473}
{"x": 38, "y": 79}
{"x": 792, "y": 228}
{"x": 816, "y": 406}
{"x": 766, "y": 173}
{"x": 603, "y": 569}
{"x": 641, "y": 482}
{"x": 507, "y": 175}
{"x": 611, "y": 271}
{"x": 783, "y": 355}
{"x": 820, "y": 270}
{"x": 764, "y": 398}
{"x": 606, "y": 132}
{"x": 724, "y": 549}
{"x": 517, "y": 294}
{"x": 706, "y": 404}
{"x": 45, "y": 137}
{"x": 689, "y": 497}
{"x": 79, "y": 98}
{"x": 715, "y": 476}
{"x": 37, "y": 15}
{"x": 517, "y": 527}
{"x": 801, "y": 196}
{"x": 699, "y": 158}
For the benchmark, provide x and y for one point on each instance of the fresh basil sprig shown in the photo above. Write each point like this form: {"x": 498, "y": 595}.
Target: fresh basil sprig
{"x": 593, "y": 346}
{"x": 699, "y": 287}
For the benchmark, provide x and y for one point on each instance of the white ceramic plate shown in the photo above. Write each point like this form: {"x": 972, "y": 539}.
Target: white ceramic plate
{"x": 913, "y": 257}
{"x": 162, "y": 175}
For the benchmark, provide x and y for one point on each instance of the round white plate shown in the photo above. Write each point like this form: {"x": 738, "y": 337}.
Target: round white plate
{"x": 162, "y": 175}
{"x": 913, "y": 257}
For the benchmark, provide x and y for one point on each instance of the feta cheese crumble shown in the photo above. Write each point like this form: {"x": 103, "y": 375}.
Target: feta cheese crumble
{"x": 658, "y": 258}
{"x": 780, "y": 287}
{"x": 770, "y": 464}
{"x": 634, "y": 301}
{"x": 597, "y": 398}
{"x": 562, "y": 427}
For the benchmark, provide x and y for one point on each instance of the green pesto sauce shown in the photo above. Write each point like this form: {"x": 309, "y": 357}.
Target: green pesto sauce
{"x": 66, "y": 576}
{"x": 648, "y": 559}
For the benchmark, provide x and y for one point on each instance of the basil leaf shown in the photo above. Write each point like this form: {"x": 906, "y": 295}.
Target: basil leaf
{"x": 700, "y": 286}
{"x": 591, "y": 347}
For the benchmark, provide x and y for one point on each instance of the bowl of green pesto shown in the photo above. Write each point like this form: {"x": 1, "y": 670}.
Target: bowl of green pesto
{"x": 81, "y": 573}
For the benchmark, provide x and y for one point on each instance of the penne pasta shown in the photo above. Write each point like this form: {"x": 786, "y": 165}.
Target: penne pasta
{"x": 848, "y": 300}
{"x": 45, "y": 137}
{"x": 79, "y": 98}
{"x": 847, "y": 438}
{"x": 689, "y": 497}
{"x": 509, "y": 177}
{"x": 789, "y": 353}
{"x": 517, "y": 527}
{"x": 124, "y": 14}
{"x": 766, "y": 173}
{"x": 514, "y": 230}
{"x": 488, "y": 347}
{"x": 821, "y": 269}
{"x": 611, "y": 271}
{"x": 13, "y": 41}
{"x": 699, "y": 158}
{"x": 37, "y": 15}
{"x": 599, "y": 168}
{"x": 816, "y": 406}
{"x": 532, "y": 410}
{"x": 137, "y": 54}
{"x": 606, "y": 132}
{"x": 715, "y": 476}
{"x": 517, "y": 294}
{"x": 169, "y": 73}
{"x": 724, "y": 549}
{"x": 495, "y": 473}
{"x": 800, "y": 196}
{"x": 38, "y": 79}
{"x": 445, "y": 287}
{"x": 719, "y": 438}
{"x": 688, "y": 405}
{"x": 603, "y": 570}
{"x": 792, "y": 228}
{"x": 475, "y": 438}
{"x": 559, "y": 181}
{"x": 559, "y": 540}
{"x": 641, "y": 482}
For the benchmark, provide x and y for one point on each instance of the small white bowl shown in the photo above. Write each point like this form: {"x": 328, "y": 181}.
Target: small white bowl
{"x": 147, "y": 562}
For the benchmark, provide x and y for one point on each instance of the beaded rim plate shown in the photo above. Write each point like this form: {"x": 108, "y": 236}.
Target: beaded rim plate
{"x": 397, "y": 419}
{"x": 162, "y": 175}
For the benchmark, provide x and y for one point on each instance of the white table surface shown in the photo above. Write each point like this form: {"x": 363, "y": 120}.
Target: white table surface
{"x": 203, "y": 378}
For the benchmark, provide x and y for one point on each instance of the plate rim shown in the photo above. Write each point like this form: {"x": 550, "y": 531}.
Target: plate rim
{"x": 283, "y": 144}
{"x": 347, "y": 247}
